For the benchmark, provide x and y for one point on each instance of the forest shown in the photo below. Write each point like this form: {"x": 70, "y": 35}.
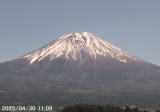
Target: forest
{"x": 101, "y": 108}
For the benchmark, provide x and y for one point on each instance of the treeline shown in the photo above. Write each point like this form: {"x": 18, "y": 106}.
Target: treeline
{"x": 100, "y": 108}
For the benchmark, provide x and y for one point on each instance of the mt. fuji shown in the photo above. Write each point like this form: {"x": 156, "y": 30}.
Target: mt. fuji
{"x": 79, "y": 68}
{"x": 79, "y": 46}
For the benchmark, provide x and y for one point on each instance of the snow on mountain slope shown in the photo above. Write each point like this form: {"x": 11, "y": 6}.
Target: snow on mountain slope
{"x": 79, "y": 46}
{"x": 101, "y": 72}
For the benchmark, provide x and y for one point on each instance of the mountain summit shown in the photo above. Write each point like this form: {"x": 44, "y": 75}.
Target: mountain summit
{"x": 79, "y": 68}
{"x": 79, "y": 46}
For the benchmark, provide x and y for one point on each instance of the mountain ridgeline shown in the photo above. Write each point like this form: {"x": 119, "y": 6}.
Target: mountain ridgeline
{"x": 79, "y": 68}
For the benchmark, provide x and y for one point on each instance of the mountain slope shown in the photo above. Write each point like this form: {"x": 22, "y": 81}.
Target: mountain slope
{"x": 79, "y": 46}
{"x": 79, "y": 68}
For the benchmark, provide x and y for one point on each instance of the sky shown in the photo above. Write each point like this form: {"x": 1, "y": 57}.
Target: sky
{"x": 132, "y": 25}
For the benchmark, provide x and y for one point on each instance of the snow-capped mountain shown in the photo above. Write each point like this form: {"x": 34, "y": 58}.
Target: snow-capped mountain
{"x": 79, "y": 68}
{"x": 78, "y": 46}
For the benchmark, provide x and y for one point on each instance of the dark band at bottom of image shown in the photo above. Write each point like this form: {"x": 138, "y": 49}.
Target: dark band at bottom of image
{"x": 76, "y": 108}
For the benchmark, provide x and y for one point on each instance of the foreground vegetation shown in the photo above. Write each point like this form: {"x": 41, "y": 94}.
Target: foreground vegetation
{"x": 88, "y": 108}
{"x": 100, "y": 108}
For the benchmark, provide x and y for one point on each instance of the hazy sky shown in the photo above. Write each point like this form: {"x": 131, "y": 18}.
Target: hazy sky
{"x": 132, "y": 25}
